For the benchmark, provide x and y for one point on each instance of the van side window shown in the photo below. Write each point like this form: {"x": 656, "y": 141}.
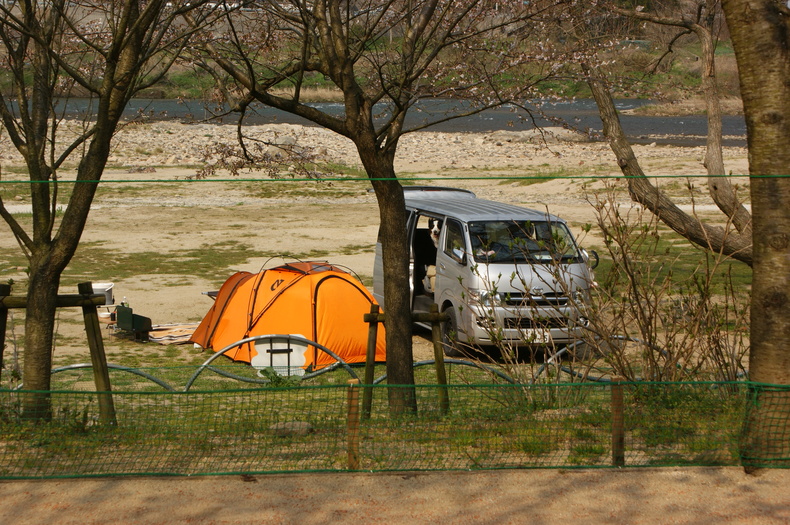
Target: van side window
{"x": 454, "y": 243}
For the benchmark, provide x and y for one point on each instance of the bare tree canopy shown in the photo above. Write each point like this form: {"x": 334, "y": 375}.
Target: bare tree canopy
{"x": 387, "y": 54}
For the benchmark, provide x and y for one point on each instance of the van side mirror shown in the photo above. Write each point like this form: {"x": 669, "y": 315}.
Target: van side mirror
{"x": 592, "y": 258}
{"x": 459, "y": 256}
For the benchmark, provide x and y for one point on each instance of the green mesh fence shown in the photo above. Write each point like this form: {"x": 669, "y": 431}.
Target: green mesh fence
{"x": 329, "y": 428}
{"x": 766, "y": 436}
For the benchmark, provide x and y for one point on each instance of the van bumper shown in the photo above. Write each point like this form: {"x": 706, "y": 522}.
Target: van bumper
{"x": 487, "y": 326}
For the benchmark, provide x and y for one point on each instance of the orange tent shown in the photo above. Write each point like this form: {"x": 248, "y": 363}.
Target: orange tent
{"x": 316, "y": 300}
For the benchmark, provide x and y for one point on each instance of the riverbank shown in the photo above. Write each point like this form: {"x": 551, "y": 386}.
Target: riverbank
{"x": 155, "y": 145}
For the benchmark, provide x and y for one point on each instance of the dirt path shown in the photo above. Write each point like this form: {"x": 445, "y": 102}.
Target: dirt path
{"x": 684, "y": 496}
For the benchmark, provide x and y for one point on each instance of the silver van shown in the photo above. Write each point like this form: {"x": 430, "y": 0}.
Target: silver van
{"x": 504, "y": 275}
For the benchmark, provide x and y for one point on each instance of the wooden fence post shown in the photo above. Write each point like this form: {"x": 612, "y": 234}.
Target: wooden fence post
{"x": 370, "y": 360}
{"x": 353, "y": 424}
{"x": 101, "y": 374}
{"x": 5, "y": 291}
{"x": 438, "y": 355}
{"x": 618, "y": 423}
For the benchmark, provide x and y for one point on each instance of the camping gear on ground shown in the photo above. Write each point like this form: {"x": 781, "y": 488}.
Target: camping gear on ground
{"x": 106, "y": 289}
{"x": 128, "y": 321}
{"x": 172, "y": 334}
{"x": 316, "y": 300}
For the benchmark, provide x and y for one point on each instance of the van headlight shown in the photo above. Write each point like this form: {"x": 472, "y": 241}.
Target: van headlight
{"x": 485, "y": 297}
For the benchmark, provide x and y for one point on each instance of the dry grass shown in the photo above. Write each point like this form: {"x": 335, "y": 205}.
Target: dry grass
{"x": 313, "y": 94}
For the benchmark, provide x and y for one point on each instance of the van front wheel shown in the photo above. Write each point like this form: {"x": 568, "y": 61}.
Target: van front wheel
{"x": 450, "y": 334}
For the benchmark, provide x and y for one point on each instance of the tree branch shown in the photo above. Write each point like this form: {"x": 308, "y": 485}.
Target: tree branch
{"x": 713, "y": 238}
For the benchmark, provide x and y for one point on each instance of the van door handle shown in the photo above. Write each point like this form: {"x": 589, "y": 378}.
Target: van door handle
{"x": 442, "y": 266}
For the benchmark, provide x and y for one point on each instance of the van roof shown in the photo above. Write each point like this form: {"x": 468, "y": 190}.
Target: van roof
{"x": 435, "y": 192}
{"x": 469, "y": 208}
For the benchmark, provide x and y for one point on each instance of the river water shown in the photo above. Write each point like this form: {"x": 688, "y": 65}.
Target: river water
{"x": 581, "y": 114}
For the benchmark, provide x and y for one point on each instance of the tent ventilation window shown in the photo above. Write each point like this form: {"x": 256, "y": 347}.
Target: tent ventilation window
{"x": 284, "y": 355}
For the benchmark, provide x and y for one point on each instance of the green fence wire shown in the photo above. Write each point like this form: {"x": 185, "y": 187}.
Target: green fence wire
{"x": 322, "y": 428}
{"x": 768, "y": 419}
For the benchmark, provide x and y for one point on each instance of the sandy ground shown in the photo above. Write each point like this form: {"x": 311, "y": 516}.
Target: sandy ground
{"x": 147, "y": 206}
{"x": 338, "y": 223}
{"x": 677, "y": 496}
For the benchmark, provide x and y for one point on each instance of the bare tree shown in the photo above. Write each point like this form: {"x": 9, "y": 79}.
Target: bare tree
{"x": 383, "y": 56}
{"x": 53, "y": 49}
{"x": 759, "y": 31}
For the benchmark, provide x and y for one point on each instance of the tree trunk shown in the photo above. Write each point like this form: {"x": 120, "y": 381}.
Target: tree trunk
{"x": 766, "y": 439}
{"x": 39, "y": 336}
{"x": 397, "y": 299}
{"x": 760, "y": 32}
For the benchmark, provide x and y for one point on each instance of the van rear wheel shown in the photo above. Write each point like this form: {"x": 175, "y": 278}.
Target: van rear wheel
{"x": 450, "y": 334}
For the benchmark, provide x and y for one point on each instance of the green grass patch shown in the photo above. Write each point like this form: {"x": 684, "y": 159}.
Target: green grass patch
{"x": 268, "y": 189}
{"x": 586, "y": 453}
{"x": 544, "y": 173}
{"x": 224, "y": 425}
{"x": 666, "y": 256}
{"x": 210, "y": 262}
{"x": 120, "y": 190}
{"x": 538, "y": 441}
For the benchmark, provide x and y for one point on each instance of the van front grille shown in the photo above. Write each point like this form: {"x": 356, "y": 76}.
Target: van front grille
{"x": 526, "y": 323}
{"x": 547, "y": 299}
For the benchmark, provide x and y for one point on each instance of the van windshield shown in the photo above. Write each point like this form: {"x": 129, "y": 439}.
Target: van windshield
{"x": 522, "y": 241}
